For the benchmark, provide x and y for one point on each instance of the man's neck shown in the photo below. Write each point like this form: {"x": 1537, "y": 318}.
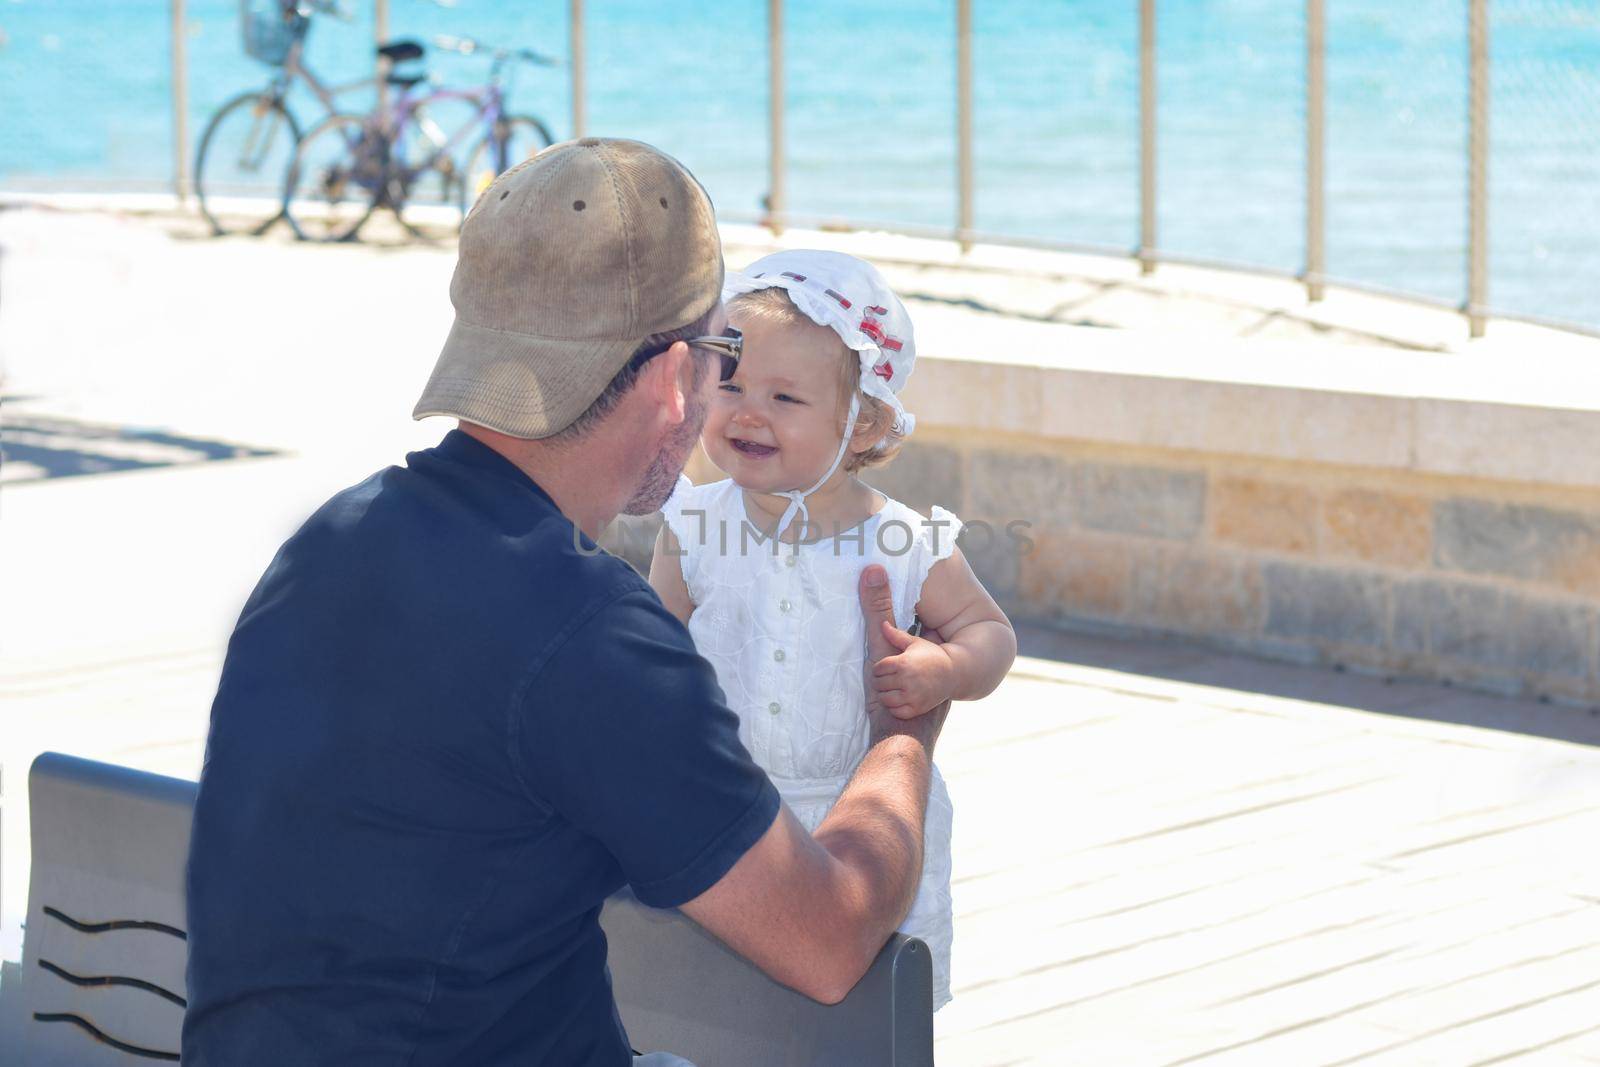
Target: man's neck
{"x": 571, "y": 475}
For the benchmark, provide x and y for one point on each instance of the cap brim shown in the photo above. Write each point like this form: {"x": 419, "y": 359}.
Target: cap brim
{"x": 518, "y": 384}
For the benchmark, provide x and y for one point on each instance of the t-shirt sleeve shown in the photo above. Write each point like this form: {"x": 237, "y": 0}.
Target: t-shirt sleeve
{"x": 625, "y": 733}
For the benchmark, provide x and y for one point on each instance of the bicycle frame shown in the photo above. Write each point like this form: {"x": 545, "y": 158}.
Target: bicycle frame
{"x": 294, "y": 69}
{"x": 488, "y": 101}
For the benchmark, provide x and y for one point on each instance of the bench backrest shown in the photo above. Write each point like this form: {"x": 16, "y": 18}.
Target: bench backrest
{"x": 104, "y": 952}
{"x": 681, "y": 990}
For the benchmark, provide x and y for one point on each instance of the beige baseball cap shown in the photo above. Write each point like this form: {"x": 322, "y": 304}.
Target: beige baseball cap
{"x": 567, "y": 262}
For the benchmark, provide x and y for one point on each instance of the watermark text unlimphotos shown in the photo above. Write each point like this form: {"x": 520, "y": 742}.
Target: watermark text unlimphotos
{"x": 894, "y": 537}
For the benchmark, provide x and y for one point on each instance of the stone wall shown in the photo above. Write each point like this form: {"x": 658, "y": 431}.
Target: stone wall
{"x": 1490, "y": 584}
{"x": 1413, "y": 513}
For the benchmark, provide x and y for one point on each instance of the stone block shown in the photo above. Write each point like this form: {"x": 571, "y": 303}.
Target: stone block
{"x": 923, "y": 474}
{"x": 1329, "y": 607}
{"x": 1031, "y": 486}
{"x": 1175, "y": 587}
{"x": 1150, "y": 501}
{"x": 1074, "y": 575}
{"x": 1377, "y": 527}
{"x": 995, "y": 557}
{"x": 1495, "y": 631}
{"x": 1409, "y": 631}
{"x": 1514, "y": 442}
{"x": 1260, "y": 514}
{"x": 1537, "y": 544}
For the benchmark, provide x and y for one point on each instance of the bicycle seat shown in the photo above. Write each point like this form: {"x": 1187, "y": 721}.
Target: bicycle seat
{"x": 400, "y": 51}
{"x": 406, "y": 81}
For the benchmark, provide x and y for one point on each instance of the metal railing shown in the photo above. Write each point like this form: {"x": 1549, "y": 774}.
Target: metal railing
{"x": 1148, "y": 252}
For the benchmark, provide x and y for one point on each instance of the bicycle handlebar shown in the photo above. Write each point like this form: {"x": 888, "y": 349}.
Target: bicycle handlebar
{"x": 468, "y": 46}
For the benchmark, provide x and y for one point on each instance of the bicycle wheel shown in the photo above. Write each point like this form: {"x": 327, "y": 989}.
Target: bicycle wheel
{"x": 336, "y": 179}
{"x": 239, "y": 168}
{"x": 513, "y": 140}
{"x": 426, "y": 188}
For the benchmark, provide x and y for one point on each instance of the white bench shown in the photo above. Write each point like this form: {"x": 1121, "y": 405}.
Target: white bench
{"x": 103, "y": 956}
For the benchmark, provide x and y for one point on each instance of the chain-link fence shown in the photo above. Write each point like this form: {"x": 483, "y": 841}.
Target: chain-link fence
{"x": 870, "y": 108}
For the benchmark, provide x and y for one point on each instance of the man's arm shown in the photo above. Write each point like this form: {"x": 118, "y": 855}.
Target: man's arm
{"x": 814, "y": 911}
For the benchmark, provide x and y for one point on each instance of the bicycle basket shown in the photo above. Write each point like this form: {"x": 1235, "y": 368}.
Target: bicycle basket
{"x": 271, "y": 28}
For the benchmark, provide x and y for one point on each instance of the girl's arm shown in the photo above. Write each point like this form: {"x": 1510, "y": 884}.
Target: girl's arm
{"x": 666, "y": 576}
{"x": 979, "y": 644}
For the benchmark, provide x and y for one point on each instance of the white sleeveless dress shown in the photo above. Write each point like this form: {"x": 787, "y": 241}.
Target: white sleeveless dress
{"x": 782, "y": 626}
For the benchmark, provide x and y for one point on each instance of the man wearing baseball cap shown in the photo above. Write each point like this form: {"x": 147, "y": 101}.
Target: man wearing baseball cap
{"x": 448, "y": 727}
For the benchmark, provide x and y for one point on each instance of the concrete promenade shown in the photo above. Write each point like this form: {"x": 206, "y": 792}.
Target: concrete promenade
{"x": 1164, "y": 855}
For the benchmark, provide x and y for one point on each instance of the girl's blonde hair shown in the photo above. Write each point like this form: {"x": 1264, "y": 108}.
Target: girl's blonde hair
{"x": 773, "y": 305}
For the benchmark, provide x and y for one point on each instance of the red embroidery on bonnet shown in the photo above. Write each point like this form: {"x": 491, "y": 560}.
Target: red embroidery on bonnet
{"x": 884, "y": 370}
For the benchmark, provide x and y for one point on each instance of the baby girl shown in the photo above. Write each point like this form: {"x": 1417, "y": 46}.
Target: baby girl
{"x": 763, "y": 566}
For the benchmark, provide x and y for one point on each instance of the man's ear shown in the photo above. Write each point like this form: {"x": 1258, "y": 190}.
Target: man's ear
{"x": 668, "y": 378}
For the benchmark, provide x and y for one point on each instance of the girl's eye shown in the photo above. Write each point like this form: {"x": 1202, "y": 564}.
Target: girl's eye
{"x": 728, "y": 387}
{"x": 786, "y": 398}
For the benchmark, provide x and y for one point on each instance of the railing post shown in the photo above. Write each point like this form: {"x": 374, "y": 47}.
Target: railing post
{"x": 964, "y": 193}
{"x": 380, "y": 37}
{"x": 180, "y": 103}
{"x": 1147, "y": 136}
{"x": 1478, "y": 168}
{"x": 1316, "y": 97}
{"x": 776, "y": 205}
{"x": 580, "y": 111}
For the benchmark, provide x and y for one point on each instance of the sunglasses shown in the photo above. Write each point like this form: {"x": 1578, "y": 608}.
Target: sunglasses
{"x": 729, "y": 344}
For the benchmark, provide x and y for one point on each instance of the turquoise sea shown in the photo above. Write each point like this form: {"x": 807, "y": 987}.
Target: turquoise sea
{"x": 85, "y": 104}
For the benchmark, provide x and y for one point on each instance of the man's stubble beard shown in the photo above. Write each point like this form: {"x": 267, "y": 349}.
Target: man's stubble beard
{"x": 662, "y": 476}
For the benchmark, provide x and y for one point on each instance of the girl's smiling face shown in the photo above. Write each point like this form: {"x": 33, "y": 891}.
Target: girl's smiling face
{"x": 775, "y": 426}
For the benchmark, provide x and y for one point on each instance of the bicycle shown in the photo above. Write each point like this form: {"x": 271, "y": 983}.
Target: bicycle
{"x": 397, "y": 157}
{"x": 250, "y": 141}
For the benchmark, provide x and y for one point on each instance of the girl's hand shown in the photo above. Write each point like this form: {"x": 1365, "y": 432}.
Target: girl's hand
{"x": 916, "y": 679}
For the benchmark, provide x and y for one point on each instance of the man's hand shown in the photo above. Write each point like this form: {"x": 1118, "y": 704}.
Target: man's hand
{"x": 877, "y": 610}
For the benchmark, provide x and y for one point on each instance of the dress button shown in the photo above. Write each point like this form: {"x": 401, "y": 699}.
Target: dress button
{"x": 788, "y": 561}
{"x": 778, "y": 655}
{"x": 774, "y": 707}
{"x": 784, "y": 605}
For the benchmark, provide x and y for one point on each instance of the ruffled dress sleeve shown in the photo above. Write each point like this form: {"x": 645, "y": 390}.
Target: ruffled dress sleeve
{"x": 935, "y": 540}
{"x": 686, "y": 515}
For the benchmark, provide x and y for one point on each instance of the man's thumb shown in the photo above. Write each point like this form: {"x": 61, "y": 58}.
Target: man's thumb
{"x": 898, "y": 638}
{"x": 877, "y": 607}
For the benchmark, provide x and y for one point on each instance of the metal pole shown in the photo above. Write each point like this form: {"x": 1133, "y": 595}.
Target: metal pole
{"x": 1147, "y": 136}
{"x": 380, "y": 37}
{"x": 964, "y": 197}
{"x": 1316, "y": 97}
{"x": 776, "y": 205}
{"x": 180, "y": 103}
{"x": 1478, "y": 169}
{"x": 580, "y": 115}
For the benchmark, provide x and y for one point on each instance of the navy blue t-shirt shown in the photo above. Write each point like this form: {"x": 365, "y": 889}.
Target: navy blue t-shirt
{"x": 445, "y": 732}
